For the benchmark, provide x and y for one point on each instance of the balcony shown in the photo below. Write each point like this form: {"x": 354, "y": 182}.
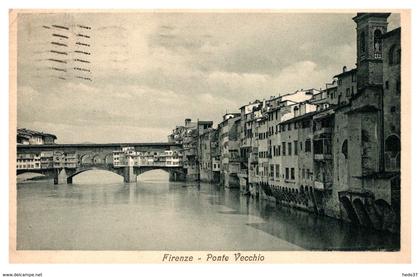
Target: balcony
{"x": 322, "y": 185}
{"x": 323, "y": 130}
{"x": 319, "y": 185}
{"x": 322, "y": 157}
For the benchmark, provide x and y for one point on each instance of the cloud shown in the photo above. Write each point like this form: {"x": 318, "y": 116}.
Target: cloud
{"x": 150, "y": 71}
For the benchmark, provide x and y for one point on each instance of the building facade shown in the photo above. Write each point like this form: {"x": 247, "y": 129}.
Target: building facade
{"x": 334, "y": 151}
{"x": 26, "y": 136}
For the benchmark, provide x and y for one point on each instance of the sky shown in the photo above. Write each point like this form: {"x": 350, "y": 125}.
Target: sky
{"x": 146, "y": 72}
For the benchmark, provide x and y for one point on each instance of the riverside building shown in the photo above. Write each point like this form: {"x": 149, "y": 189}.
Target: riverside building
{"x": 334, "y": 151}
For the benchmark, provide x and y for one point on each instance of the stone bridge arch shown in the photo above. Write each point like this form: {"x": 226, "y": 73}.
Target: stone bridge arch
{"x": 103, "y": 168}
{"x": 82, "y": 157}
{"x": 47, "y": 173}
{"x": 129, "y": 174}
{"x": 175, "y": 174}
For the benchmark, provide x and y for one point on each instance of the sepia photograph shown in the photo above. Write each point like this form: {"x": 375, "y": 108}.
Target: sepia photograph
{"x": 209, "y": 136}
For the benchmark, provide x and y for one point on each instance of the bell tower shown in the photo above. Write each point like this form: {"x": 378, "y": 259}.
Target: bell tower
{"x": 370, "y": 29}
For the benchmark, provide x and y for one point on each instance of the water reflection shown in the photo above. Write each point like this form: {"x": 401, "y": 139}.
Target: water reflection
{"x": 100, "y": 212}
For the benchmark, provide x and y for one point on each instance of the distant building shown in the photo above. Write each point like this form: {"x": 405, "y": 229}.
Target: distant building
{"x": 346, "y": 86}
{"x": 209, "y": 159}
{"x": 28, "y": 161}
{"x": 188, "y": 135}
{"x": 230, "y": 158}
{"x": 26, "y": 136}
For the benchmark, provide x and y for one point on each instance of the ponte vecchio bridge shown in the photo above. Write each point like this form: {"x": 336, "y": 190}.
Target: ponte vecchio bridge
{"x": 64, "y": 161}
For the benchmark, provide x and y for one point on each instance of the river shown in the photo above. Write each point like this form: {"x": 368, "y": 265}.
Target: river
{"x": 99, "y": 212}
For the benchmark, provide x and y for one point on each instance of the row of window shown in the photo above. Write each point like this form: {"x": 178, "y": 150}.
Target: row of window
{"x": 24, "y": 166}
{"x": 282, "y": 127}
{"x": 289, "y": 172}
{"x": 281, "y": 150}
{"x": 263, "y": 154}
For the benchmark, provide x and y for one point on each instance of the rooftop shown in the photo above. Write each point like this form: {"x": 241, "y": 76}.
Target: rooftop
{"x": 344, "y": 73}
{"x": 301, "y": 117}
{"x": 28, "y": 132}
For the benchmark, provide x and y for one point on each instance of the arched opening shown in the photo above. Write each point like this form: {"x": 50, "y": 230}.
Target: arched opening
{"x": 29, "y": 176}
{"x": 96, "y": 176}
{"x": 393, "y": 145}
{"x": 154, "y": 176}
{"x": 86, "y": 159}
{"x": 392, "y": 153}
{"x": 109, "y": 159}
{"x": 394, "y": 55}
{"x": 377, "y": 43}
{"x": 97, "y": 159}
{"x": 391, "y": 54}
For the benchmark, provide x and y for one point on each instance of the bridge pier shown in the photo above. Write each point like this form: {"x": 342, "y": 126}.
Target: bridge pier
{"x": 129, "y": 175}
{"x": 175, "y": 176}
{"x": 60, "y": 177}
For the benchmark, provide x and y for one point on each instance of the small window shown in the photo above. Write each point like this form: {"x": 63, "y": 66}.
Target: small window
{"x": 308, "y": 145}
{"x": 344, "y": 149}
{"x": 387, "y": 84}
{"x": 292, "y": 173}
{"x": 362, "y": 42}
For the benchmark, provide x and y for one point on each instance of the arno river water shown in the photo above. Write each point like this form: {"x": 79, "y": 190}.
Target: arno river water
{"x": 100, "y": 212}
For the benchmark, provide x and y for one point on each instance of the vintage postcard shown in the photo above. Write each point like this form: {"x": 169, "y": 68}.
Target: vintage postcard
{"x": 210, "y": 136}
